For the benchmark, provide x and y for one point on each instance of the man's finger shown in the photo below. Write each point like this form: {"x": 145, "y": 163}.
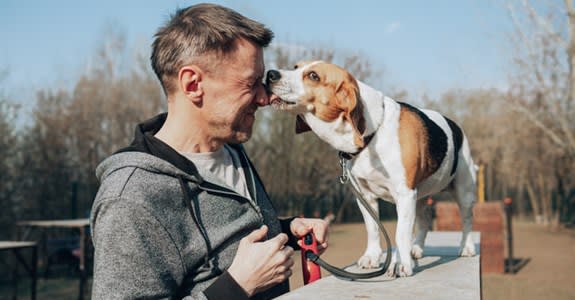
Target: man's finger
{"x": 289, "y": 263}
{"x": 258, "y": 234}
{"x": 319, "y": 235}
{"x": 320, "y": 231}
{"x": 300, "y": 229}
{"x": 280, "y": 240}
{"x": 288, "y": 251}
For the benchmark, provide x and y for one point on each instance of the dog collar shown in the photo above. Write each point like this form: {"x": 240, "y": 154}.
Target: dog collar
{"x": 350, "y": 156}
{"x": 367, "y": 139}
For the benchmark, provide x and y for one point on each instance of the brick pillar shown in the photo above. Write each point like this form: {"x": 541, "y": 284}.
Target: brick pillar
{"x": 487, "y": 219}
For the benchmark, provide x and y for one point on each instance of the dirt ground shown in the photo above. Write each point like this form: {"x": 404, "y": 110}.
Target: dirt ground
{"x": 550, "y": 273}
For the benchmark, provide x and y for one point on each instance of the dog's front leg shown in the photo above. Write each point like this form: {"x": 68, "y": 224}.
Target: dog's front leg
{"x": 405, "y": 206}
{"x": 372, "y": 254}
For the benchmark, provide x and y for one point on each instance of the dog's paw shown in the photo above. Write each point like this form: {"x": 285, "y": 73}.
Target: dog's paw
{"x": 416, "y": 251}
{"x": 404, "y": 270}
{"x": 468, "y": 251}
{"x": 369, "y": 261}
{"x": 391, "y": 270}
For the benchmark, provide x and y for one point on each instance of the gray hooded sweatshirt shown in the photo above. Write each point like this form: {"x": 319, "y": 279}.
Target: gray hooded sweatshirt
{"x": 160, "y": 231}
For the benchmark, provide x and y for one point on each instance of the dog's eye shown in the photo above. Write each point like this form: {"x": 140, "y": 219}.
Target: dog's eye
{"x": 295, "y": 67}
{"x": 313, "y": 76}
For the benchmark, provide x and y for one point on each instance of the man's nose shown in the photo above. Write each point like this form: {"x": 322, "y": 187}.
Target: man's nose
{"x": 273, "y": 76}
{"x": 262, "y": 96}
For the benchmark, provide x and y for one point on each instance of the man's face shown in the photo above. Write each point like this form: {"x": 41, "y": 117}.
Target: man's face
{"x": 233, "y": 91}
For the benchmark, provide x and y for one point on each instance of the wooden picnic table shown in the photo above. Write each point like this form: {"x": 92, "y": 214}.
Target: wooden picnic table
{"x": 16, "y": 247}
{"x": 80, "y": 224}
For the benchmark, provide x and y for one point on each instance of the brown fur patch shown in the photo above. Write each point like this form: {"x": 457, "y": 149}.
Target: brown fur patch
{"x": 416, "y": 140}
{"x": 334, "y": 93}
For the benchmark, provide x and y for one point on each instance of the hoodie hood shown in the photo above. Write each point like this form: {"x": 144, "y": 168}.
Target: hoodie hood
{"x": 144, "y": 161}
{"x": 149, "y": 153}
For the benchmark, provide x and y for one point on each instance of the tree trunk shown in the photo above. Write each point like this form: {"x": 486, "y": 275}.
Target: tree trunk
{"x": 545, "y": 199}
{"x": 534, "y": 203}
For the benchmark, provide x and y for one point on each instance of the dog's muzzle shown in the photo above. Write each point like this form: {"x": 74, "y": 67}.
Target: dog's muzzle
{"x": 274, "y": 86}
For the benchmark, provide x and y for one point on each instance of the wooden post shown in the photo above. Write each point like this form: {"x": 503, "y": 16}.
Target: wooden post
{"x": 34, "y": 271}
{"x": 488, "y": 219}
{"x": 481, "y": 184}
{"x": 82, "y": 266}
{"x": 510, "y": 262}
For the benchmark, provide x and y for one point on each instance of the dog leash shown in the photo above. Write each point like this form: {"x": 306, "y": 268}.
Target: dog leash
{"x": 309, "y": 253}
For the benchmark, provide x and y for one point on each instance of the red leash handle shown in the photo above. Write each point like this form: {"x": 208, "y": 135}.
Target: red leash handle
{"x": 311, "y": 270}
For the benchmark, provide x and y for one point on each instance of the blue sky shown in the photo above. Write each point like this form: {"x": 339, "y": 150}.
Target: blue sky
{"x": 421, "y": 46}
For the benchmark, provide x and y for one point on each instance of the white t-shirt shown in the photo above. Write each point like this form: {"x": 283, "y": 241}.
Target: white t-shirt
{"x": 223, "y": 164}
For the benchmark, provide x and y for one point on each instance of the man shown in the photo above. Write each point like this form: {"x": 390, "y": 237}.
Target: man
{"x": 181, "y": 212}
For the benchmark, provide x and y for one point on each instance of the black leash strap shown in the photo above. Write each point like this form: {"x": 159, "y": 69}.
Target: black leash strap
{"x": 338, "y": 272}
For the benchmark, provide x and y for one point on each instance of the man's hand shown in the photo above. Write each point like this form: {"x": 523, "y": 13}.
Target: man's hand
{"x": 301, "y": 226}
{"x": 259, "y": 265}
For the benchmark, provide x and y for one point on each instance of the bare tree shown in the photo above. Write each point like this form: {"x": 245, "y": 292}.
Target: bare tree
{"x": 543, "y": 92}
{"x": 10, "y": 161}
{"x": 73, "y": 131}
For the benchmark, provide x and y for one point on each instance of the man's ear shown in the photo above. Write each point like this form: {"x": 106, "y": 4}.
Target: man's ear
{"x": 189, "y": 81}
{"x": 300, "y": 125}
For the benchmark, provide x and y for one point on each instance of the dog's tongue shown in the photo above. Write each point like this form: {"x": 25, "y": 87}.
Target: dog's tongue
{"x": 278, "y": 104}
{"x": 273, "y": 97}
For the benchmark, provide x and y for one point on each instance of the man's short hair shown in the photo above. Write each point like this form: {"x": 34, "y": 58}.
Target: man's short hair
{"x": 201, "y": 34}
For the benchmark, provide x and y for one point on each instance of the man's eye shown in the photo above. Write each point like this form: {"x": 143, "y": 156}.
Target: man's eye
{"x": 313, "y": 76}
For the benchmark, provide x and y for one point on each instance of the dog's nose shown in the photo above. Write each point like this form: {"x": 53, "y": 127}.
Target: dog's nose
{"x": 273, "y": 76}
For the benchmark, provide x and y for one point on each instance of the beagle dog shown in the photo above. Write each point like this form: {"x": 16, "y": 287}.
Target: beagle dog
{"x": 396, "y": 152}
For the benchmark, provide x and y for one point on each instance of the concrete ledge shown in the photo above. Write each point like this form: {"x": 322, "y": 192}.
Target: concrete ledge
{"x": 440, "y": 274}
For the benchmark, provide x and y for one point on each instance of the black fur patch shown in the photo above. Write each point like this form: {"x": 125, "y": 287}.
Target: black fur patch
{"x": 457, "y": 141}
{"x": 437, "y": 139}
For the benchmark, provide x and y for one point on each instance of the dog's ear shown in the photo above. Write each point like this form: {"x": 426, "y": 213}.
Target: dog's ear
{"x": 348, "y": 99}
{"x": 300, "y": 125}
